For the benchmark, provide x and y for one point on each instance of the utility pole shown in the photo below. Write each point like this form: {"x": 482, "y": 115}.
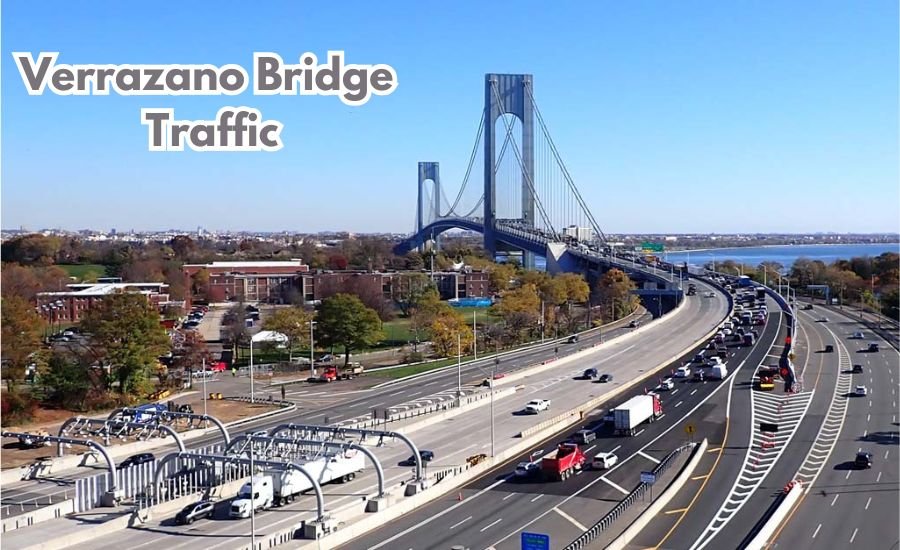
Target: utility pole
{"x": 312, "y": 347}
{"x": 252, "y": 400}
{"x": 252, "y": 499}
{"x": 542, "y": 321}
{"x": 493, "y": 377}
{"x": 458, "y": 367}
{"x": 204, "y": 387}
{"x": 475, "y": 333}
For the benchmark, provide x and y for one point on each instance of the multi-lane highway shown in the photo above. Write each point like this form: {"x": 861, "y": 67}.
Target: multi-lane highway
{"x": 454, "y": 439}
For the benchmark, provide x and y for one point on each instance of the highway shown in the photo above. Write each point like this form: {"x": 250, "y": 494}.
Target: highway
{"x": 317, "y": 406}
{"x": 846, "y": 507}
{"x": 498, "y": 506}
{"x": 467, "y": 434}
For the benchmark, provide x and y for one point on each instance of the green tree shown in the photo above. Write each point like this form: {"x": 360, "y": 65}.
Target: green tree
{"x": 127, "y": 336}
{"x": 200, "y": 282}
{"x": 21, "y": 336}
{"x": 614, "y": 294}
{"x": 293, "y": 322}
{"x": 66, "y": 383}
{"x": 343, "y": 320}
{"x": 520, "y": 309}
{"x": 501, "y": 277}
{"x": 450, "y": 333}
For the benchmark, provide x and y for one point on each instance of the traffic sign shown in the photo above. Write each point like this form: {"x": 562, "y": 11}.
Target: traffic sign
{"x": 535, "y": 541}
{"x": 652, "y": 247}
{"x": 689, "y": 429}
{"x": 648, "y": 477}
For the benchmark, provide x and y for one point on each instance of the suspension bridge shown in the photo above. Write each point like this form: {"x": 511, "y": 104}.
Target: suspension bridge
{"x": 528, "y": 203}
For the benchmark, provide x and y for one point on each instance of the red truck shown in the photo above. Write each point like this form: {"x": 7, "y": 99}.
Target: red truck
{"x": 562, "y": 463}
{"x": 330, "y": 374}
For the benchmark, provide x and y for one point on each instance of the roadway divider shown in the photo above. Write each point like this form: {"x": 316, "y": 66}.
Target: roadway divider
{"x": 793, "y": 491}
{"x": 661, "y": 502}
{"x": 58, "y": 510}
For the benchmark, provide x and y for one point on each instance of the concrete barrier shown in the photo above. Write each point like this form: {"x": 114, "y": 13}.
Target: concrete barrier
{"x": 38, "y": 515}
{"x": 761, "y": 540}
{"x": 661, "y": 501}
{"x": 83, "y": 534}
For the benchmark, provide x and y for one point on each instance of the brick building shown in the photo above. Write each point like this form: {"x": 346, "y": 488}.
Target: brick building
{"x": 68, "y": 306}
{"x": 393, "y": 285}
{"x": 263, "y": 281}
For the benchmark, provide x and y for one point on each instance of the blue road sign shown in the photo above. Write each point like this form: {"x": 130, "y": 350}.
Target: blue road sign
{"x": 535, "y": 541}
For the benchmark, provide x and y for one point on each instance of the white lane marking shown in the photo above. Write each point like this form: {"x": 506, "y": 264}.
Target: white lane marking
{"x": 640, "y": 432}
{"x": 415, "y": 394}
{"x": 678, "y": 404}
{"x": 674, "y": 392}
{"x": 593, "y": 446}
{"x": 868, "y": 417}
{"x": 486, "y": 527}
{"x": 616, "y": 448}
{"x": 848, "y": 475}
{"x": 377, "y": 404}
{"x": 571, "y": 519}
{"x": 886, "y": 454}
{"x": 614, "y": 485}
{"x": 693, "y": 392}
{"x": 868, "y": 502}
{"x": 648, "y": 457}
{"x": 878, "y": 479}
{"x": 853, "y": 536}
{"x": 458, "y": 523}
{"x": 816, "y": 532}
{"x": 835, "y": 499}
{"x": 870, "y": 402}
{"x": 508, "y": 496}
{"x": 537, "y": 497}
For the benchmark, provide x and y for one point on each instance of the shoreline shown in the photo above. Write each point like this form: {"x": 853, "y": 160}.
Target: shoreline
{"x": 688, "y": 251}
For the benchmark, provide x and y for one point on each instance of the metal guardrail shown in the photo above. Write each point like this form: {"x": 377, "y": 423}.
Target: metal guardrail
{"x": 606, "y": 521}
{"x": 35, "y": 503}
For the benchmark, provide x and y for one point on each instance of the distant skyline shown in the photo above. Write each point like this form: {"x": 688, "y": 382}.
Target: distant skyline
{"x": 671, "y": 117}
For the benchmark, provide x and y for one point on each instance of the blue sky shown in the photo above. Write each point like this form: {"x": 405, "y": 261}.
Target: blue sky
{"x": 701, "y": 116}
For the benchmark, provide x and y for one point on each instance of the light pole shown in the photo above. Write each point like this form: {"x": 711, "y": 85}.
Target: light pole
{"x": 312, "y": 363}
{"x": 252, "y": 400}
{"x": 493, "y": 377}
{"x": 252, "y": 498}
{"x": 204, "y": 385}
{"x": 475, "y": 333}
{"x": 458, "y": 367}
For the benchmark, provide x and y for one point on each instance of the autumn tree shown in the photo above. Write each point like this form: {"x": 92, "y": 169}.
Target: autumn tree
{"x": 520, "y": 309}
{"x": 21, "y": 336}
{"x": 614, "y": 294}
{"x": 501, "y": 277}
{"x": 343, "y": 320}
{"x": 127, "y": 336}
{"x": 293, "y": 322}
{"x": 574, "y": 290}
{"x": 26, "y": 281}
{"x": 200, "y": 282}
{"x": 182, "y": 246}
{"x": 450, "y": 333}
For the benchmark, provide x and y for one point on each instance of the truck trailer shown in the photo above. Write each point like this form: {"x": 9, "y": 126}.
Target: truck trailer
{"x": 562, "y": 463}
{"x": 277, "y": 487}
{"x": 634, "y": 412}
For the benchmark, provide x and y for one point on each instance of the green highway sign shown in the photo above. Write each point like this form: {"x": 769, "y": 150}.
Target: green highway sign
{"x": 652, "y": 247}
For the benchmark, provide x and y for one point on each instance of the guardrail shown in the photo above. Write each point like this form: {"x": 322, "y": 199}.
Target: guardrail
{"x": 606, "y": 521}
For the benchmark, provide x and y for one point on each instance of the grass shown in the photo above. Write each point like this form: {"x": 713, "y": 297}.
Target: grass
{"x": 80, "y": 270}
{"x": 416, "y": 369}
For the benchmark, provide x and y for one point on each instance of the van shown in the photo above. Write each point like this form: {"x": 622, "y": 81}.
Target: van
{"x": 718, "y": 372}
{"x": 584, "y": 436}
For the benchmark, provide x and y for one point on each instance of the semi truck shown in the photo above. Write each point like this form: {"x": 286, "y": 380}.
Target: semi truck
{"x": 564, "y": 462}
{"x": 277, "y": 487}
{"x": 634, "y": 412}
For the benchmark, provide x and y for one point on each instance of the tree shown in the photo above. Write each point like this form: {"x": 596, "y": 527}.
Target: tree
{"x": 200, "y": 282}
{"x": 520, "y": 309}
{"x": 182, "y": 246}
{"x": 413, "y": 289}
{"x": 338, "y": 262}
{"x": 575, "y": 290}
{"x": 614, "y": 294}
{"x": 127, "y": 336}
{"x": 501, "y": 277}
{"x": 293, "y": 322}
{"x": 343, "y": 320}
{"x": 21, "y": 337}
{"x": 414, "y": 261}
{"x": 426, "y": 309}
{"x": 449, "y": 331}
{"x": 67, "y": 383}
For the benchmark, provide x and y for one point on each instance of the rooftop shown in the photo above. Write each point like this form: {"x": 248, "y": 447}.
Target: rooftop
{"x": 103, "y": 289}
{"x": 284, "y": 263}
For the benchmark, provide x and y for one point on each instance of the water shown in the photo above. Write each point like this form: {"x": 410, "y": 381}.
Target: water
{"x": 785, "y": 255}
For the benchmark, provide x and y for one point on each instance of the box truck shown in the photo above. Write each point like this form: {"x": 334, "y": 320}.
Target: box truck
{"x": 636, "y": 411}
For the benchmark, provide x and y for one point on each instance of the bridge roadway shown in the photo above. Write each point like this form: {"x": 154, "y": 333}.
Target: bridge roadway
{"x": 343, "y": 406}
{"x": 690, "y": 513}
{"x": 497, "y": 507}
{"x": 848, "y": 508}
{"x": 454, "y": 439}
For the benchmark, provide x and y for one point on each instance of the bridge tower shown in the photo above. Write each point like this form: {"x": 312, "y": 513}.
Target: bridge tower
{"x": 507, "y": 94}
{"x": 428, "y": 171}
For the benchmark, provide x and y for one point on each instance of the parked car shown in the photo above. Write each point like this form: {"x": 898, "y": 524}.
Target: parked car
{"x": 195, "y": 511}
{"x": 135, "y": 460}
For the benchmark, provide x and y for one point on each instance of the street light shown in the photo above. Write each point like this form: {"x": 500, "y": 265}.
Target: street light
{"x": 312, "y": 347}
{"x": 493, "y": 377}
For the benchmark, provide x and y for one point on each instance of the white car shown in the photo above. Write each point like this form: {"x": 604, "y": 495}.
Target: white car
{"x": 604, "y": 461}
{"x": 537, "y": 405}
{"x": 861, "y": 391}
{"x": 727, "y": 332}
{"x": 858, "y": 336}
{"x": 683, "y": 372}
{"x": 666, "y": 385}
{"x": 525, "y": 469}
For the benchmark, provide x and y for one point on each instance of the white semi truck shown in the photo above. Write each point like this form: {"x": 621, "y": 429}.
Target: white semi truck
{"x": 637, "y": 410}
{"x": 277, "y": 487}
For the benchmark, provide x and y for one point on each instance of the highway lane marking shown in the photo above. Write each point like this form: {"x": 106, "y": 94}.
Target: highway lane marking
{"x": 613, "y": 485}
{"x": 571, "y": 519}
{"x": 868, "y": 417}
{"x": 508, "y": 496}
{"x": 679, "y": 510}
{"x": 870, "y": 402}
{"x": 648, "y": 457}
{"x": 693, "y": 392}
{"x": 486, "y": 527}
{"x": 695, "y": 478}
{"x": 674, "y": 392}
{"x": 878, "y": 479}
{"x": 714, "y": 449}
{"x": 886, "y": 454}
{"x": 589, "y": 448}
{"x": 377, "y": 404}
{"x": 678, "y": 404}
{"x": 868, "y": 502}
{"x": 835, "y": 499}
{"x": 853, "y": 536}
{"x": 537, "y": 497}
{"x": 848, "y": 475}
{"x": 457, "y": 524}
{"x": 816, "y": 532}
{"x": 640, "y": 432}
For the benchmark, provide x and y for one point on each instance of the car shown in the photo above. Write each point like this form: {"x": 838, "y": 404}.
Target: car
{"x": 527, "y": 469}
{"x": 857, "y": 336}
{"x": 633, "y": 324}
{"x": 136, "y": 460}
{"x": 584, "y": 436}
{"x": 604, "y": 378}
{"x": 861, "y": 391}
{"x": 857, "y": 369}
{"x": 873, "y": 346}
{"x": 666, "y": 385}
{"x": 590, "y": 374}
{"x": 823, "y": 319}
{"x": 808, "y": 307}
{"x": 195, "y": 511}
{"x": 604, "y": 461}
{"x": 683, "y": 372}
{"x": 727, "y": 332}
{"x": 537, "y": 405}
{"x": 863, "y": 460}
{"x": 573, "y": 339}
{"x": 829, "y": 348}
{"x": 425, "y": 456}
{"x": 710, "y": 294}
